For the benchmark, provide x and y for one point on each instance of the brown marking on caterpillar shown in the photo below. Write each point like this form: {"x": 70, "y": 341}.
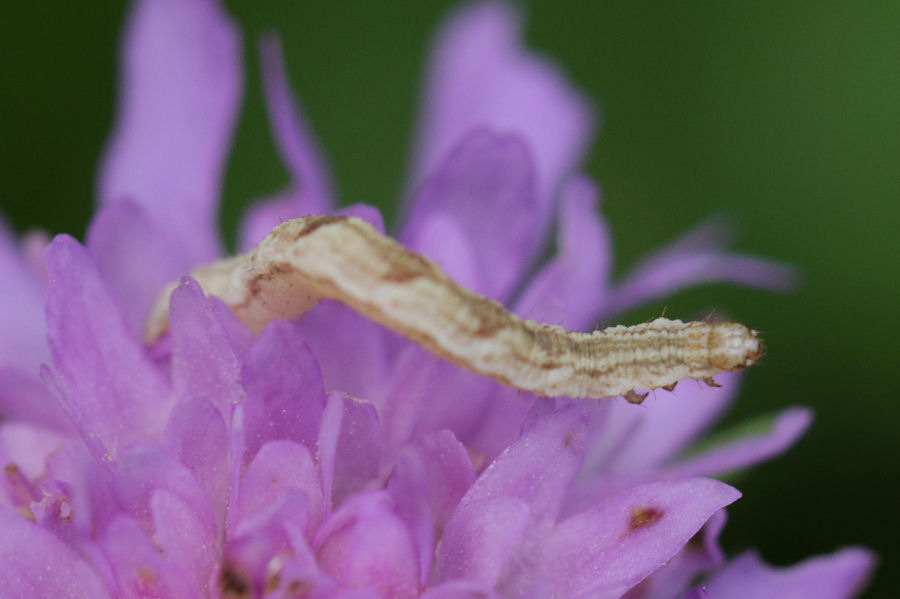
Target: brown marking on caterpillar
{"x": 344, "y": 258}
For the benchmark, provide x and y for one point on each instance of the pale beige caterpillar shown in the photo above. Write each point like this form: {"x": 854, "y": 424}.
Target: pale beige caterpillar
{"x": 307, "y": 259}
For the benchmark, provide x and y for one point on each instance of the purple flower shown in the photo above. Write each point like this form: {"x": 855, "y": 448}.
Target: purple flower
{"x": 328, "y": 457}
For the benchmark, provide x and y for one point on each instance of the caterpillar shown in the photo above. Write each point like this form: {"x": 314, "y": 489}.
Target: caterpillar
{"x": 344, "y": 258}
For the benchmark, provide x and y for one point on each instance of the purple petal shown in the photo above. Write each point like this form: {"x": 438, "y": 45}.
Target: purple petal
{"x": 136, "y": 257}
{"x": 351, "y": 350}
{"x": 666, "y": 422}
{"x": 248, "y": 563}
{"x": 696, "y": 593}
{"x": 140, "y": 570}
{"x": 448, "y": 473}
{"x": 280, "y": 466}
{"x": 570, "y": 289}
{"x": 183, "y": 538}
{"x": 539, "y": 466}
{"x": 364, "y": 544}
{"x": 441, "y": 237}
{"x": 460, "y": 589}
{"x": 23, "y": 339}
{"x": 284, "y": 393}
{"x": 408, "y": 489}
{"x": 34, "y": 563}
{"x": 606, "y": 550}
{"x": 25, "y": 398}
{"x": 197, "y": 436}
{"x": 788, "y": 427}
{"x": 181, "y": 86}
{"x": 357, "y": 445}
{"x": 480, "y": 74}
{"x": 479, "y": 539}
{"x": 203, "y": 361}
{"x": 840, "y": 575}
{"x": 143, "y": 469}
{"x": 92, "y": 348}
{"x": 486, "y": 187}
{"x": 700, "y": 555}
{"x": 691, "y": 260}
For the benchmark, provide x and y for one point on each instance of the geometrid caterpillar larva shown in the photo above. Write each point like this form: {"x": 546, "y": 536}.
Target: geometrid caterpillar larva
{"x": 307, "y": 259}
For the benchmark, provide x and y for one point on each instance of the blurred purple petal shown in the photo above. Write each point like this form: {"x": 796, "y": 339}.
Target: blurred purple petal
{"x": 180, "y": 91}
{"x": 23, "y": 338}
{"x": 25, "y": 398}
{"x": 696, "y": 593}
{"x": 570, "y": 289}
{"x": 284, "y": 393}
{"x": 364, "y": 544}
{"x": 787, "y": 428}
{"x": 666, "y": 422}
{"x": 481, "y": 75}
{"x": 135, "y": 255}
{"x": 350, "y": 349}
{"x": 628, "y": 536}
{"x": 692, "y": 260}
{"x": 486, "y": 186}
{"x": 34, "y": 563}
{"x": 840, "y": 575}
{"x": 91, "y": 347}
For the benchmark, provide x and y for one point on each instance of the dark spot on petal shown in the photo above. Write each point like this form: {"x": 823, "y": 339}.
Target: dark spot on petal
{"x": 643, "y": 516}
{"x": 232, "y": 583}
{"x": 299, "y": 588}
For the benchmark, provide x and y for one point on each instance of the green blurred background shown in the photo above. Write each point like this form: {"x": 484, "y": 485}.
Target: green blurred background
{"x": 782, "y": 115}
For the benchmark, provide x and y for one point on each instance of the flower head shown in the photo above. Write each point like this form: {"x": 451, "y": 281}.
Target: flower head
{"x": 328, "y": 457}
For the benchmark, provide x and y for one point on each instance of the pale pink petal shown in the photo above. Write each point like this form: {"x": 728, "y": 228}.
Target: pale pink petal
{"x": 180, "y": 91}
{"x": 448, "y": 472}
